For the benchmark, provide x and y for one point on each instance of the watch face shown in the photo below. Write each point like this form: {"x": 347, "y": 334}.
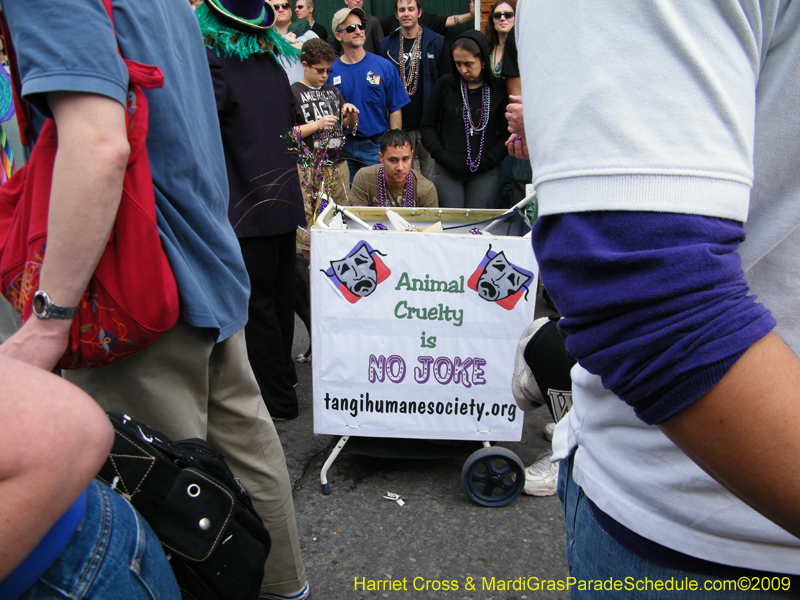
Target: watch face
{"x": 38, "y": 304}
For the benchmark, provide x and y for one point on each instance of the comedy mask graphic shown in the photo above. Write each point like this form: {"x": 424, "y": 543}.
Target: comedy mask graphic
{"x": 500, "y": 281}
{"x": 358, "y": 274}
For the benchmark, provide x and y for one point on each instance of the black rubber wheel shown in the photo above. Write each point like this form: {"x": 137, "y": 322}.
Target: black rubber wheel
{"x": 493, "y": 476}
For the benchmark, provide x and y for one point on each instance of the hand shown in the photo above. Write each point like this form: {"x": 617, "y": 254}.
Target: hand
{"x": 39, "y": 342}
{"x": 290, "y": 36}
{"x": 517, "y": 146}
{"x": 348, "y": 109}
{"x": 516, "y": 124}
{"x": 326, "y": 122}
{"x": 472, "y": 8}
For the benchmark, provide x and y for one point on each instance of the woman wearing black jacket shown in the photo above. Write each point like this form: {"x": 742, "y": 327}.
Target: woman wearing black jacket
{"x": 464, "y": 127}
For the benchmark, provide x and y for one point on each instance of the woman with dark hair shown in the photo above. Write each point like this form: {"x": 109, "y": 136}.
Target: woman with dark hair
{"x": 464, "y": 127}
{"x": 500, "y": 22}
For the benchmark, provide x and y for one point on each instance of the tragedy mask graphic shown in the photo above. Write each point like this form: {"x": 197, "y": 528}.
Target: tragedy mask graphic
{"x": 358, "y": 274}
{"x": 498, "y": 280}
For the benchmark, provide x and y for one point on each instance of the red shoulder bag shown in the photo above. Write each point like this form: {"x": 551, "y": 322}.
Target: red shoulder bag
{"x": 132, "y": 298}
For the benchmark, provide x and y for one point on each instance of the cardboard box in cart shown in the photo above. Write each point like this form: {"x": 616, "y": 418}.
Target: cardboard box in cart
{"x": 414, "y": 333}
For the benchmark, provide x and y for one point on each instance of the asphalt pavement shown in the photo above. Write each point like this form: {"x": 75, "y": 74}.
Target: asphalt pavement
{"x": 439, "y": 543}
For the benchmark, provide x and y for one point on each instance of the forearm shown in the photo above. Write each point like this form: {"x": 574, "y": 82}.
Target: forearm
{"x": 87, "y": 185}
{"x": 396, "y": 120}
{"x": 53, "y": 441}
{"x": 454, "y": 20}
{"x": 308, "y": 129}
{"x": 756, "y": 405}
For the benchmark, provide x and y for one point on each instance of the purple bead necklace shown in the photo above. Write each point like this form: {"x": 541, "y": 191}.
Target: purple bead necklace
{"x": 470, "y": 128}
{"x": 408, "y": 189}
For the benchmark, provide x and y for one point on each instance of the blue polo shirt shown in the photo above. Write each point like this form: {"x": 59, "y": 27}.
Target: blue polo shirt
{"x": 373, "y": 85}
{"x": 69, "y": 45}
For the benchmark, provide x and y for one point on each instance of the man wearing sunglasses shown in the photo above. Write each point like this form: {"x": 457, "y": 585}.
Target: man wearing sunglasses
{"x": 283, "y": 19}
{"x": 373, "y": 33}
{"x": 305, "y": 9}
{"x": 369, "y": 82}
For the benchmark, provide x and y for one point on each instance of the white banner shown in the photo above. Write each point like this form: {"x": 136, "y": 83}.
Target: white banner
{"x": 414, "y": 334}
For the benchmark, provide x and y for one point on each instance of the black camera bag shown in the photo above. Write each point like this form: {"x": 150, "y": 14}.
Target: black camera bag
{"x": 203, "y": 517}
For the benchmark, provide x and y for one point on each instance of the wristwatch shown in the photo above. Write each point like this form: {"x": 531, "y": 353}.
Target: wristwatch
{"x": 45, "y": 308}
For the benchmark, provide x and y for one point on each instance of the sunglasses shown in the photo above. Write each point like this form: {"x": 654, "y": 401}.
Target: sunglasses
{"x": 286, "y": 6}
{"x": 499, "y": 15}
{"x": 322, "y": 71}
{"x": 352, "y": 28}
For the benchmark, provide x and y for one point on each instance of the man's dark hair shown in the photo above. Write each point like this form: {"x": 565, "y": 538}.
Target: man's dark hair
{"x": 394, "y": 137}
{"x": 419, "y": 5}
{"x": 315, "y": 51}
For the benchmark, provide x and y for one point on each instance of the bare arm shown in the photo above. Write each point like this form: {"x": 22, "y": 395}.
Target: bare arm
{"x": 396, "y": 120}
{"x": 514, "y": 86}
{"x": 87, "y": 185}
{"x": 308, "y": 129}
{"x": 53, "y": 441}
{"x": 454, "y": 20}
{"x": 749, "y": 420}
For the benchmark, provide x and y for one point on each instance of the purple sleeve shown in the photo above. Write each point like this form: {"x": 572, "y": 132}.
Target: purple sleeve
{"x": 654, "y": 303}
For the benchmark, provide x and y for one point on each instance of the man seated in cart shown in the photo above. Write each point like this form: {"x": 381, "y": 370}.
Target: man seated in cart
{"x": 393, "y": 183}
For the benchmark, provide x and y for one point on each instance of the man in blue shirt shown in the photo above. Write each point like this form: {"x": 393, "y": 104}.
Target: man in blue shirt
{"x": 369, "y": 82}
{"x": 195, "y": 381}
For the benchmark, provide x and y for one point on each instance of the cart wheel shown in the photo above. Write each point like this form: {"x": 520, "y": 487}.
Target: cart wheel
{"x": 493, "y": 476}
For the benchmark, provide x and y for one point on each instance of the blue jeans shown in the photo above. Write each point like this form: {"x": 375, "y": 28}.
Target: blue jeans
{"x": 113, "y": 554}
{"x": 595, "y": 556}
{"x": 361, "y": 152}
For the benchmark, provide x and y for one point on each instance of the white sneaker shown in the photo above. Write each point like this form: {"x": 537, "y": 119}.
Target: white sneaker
{"x": 548, "y": 431}
{"x": 302, "y": 594}
{"x": 541, "y": 478}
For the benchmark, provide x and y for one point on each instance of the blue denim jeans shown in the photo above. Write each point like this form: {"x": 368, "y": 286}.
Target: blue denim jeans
{"x": 113, "y": 554}
{"x": 595, "y": 556}
{"x": 360, "y": 152}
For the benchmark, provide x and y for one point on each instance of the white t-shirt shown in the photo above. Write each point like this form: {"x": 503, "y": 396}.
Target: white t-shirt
{"x": 674, "y": 107}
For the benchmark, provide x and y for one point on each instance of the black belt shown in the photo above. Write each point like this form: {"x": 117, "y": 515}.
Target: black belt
{"x": 372, "y": 138}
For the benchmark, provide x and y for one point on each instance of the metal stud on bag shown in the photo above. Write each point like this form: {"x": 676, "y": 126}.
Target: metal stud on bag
{"x": 204, "y": 524}
{"x": 193, "y": 490}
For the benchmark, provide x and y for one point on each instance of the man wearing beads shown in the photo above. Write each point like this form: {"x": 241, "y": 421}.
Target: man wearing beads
{"x": 369, "y": 82}
{"x": 415, "y": 50}
{"x": 393, "y": 182}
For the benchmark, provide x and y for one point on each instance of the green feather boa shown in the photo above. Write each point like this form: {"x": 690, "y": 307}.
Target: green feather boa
{"x": 232, "y": 42}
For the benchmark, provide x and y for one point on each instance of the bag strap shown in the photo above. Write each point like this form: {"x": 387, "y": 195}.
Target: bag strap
{"x": 22, "y": 108}
{"x": 147, "y": 76}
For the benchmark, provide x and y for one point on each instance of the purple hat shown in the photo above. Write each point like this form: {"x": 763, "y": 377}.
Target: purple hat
{"x": 244, "y": 15}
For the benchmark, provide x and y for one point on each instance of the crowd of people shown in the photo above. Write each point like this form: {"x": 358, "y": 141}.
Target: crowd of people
{"x": 651, "y": 134}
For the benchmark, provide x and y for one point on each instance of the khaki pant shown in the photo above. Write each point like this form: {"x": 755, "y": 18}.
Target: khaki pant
{"x": 187, "y": 385}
